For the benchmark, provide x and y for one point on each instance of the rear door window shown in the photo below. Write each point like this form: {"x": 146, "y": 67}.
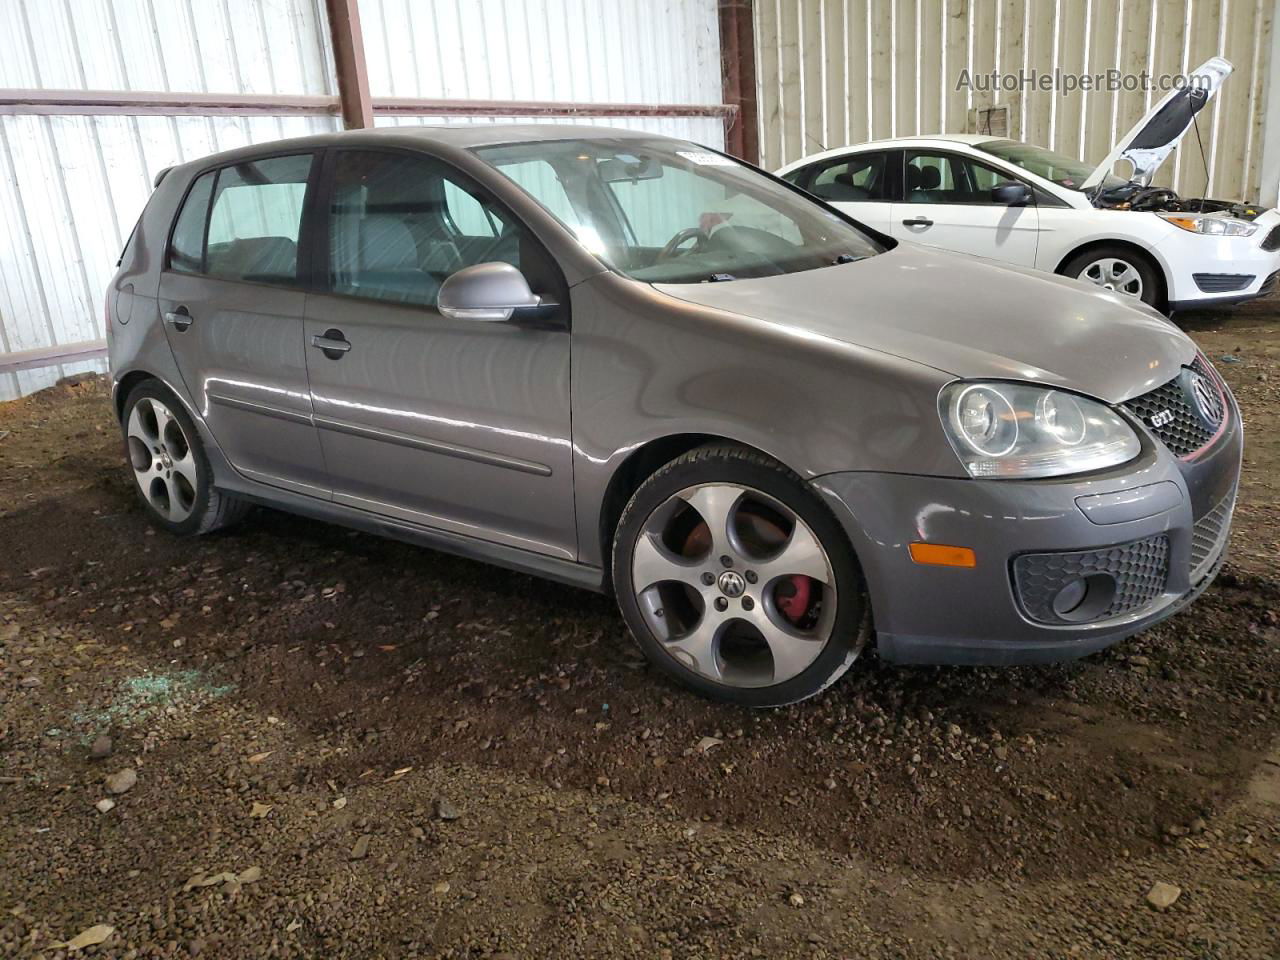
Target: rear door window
{"x": 852, "y": 179}
{"x": 255, "y": 220}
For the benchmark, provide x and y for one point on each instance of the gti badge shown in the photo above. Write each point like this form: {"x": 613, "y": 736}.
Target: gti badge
{"x": 1160, "y": 419}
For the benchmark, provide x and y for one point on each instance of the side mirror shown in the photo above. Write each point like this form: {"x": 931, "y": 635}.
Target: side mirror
{"x": 488, "y": 292}
{"x": 1011, "y": 194}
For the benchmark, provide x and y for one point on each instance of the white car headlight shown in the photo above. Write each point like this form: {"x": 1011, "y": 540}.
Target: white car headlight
{"x": 1211, "y": 226}
{"x": 1017, "y": 431}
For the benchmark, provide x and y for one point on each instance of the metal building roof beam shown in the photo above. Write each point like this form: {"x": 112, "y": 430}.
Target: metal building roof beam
{"x": 152, "y": 103}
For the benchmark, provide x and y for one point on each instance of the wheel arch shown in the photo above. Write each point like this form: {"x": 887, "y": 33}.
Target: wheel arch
{"x": 1145, "y": 253}
{"x": 640, "y": 464}
{"x": 128, "y": 382}
{"x": 126, "y": 385}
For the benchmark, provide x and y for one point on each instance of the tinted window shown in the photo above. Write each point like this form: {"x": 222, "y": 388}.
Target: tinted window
{"x": 656, "y": 210}
{"x": 255, "y": 220}
{"x": 851, "y": 179}
{"x": 539, "y": 178}
{"x": 468, "y": 214}
{"x": 186, "y": 252}
{"x": 667, "y": 211}
{"x": 399, "y": 225}
{"x": 948, "y": 178}
{"x": 985, "y": 178}
{"x": 1062, "y": 170}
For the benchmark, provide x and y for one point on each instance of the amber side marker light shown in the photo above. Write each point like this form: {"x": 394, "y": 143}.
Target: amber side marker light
{"x": 941, "y": 555}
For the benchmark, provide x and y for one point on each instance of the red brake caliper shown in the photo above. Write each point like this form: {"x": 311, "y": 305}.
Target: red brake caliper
{"x": 792, "y": 596}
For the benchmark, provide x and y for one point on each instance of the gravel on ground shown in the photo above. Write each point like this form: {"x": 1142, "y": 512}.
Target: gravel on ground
{"x": 292, "y": 740}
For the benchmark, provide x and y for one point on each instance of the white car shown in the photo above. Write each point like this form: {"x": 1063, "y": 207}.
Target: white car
{"x": 1026, "y": 205}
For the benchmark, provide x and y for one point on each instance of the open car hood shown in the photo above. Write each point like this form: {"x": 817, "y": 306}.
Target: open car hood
{"x": 1152, "y": 139}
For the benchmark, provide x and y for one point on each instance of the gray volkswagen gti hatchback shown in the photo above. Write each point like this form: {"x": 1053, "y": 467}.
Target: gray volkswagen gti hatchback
{"x": 636, "y": 365}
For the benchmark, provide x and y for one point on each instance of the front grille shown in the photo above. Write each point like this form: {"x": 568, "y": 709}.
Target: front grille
{"x": 1209, "y": 536}
{"x": 1182, "y": 420}
{"x": 1222, "y": 282}
{"x": 1272, "y": 240}
{"x": 1139, "y": 570}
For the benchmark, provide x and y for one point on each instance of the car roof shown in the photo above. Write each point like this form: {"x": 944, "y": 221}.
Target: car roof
{"x": 460, "y": 136}
{"x": 940, "y": 139}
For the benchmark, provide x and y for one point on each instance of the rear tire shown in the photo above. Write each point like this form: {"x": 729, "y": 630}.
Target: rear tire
{"x": 737, "y": 581}
{"x": 171, "y": 472}
{"x": 1117, "y": 268}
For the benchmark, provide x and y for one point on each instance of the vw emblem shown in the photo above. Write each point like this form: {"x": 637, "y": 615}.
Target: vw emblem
{"x": 731, "y": 584}
{"x": 1204, "y": 398}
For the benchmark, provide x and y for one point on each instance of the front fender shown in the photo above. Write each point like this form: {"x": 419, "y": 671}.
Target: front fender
{"x": 646, "y": 367}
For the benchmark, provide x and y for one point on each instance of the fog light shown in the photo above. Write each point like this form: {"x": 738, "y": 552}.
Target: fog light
{"x": 1085, "y": 598}
{"x": 1069, "y": 597}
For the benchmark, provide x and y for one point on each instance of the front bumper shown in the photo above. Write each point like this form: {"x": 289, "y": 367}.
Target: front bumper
{"x": 980, "y": 615}
{"x": 1200, "y": 267}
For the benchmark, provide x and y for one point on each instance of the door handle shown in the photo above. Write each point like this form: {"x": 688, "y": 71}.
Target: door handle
{"x": 331, "y": 343}
{"x": 917, "y": 222}
{"x": 179, "y": 318}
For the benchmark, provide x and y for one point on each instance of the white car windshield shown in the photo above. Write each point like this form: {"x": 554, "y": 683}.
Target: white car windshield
{"x": 665, "y": 211}
{"x": 1063, "y": 170}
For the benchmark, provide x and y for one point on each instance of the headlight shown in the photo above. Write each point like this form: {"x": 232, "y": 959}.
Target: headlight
{"x": 1211, "y": 226}
{"x": 1017, "y": 431}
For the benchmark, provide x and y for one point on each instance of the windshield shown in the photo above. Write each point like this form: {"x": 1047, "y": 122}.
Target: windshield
{"x": 1063, "y": 170}
{"x": 666, "y": 211}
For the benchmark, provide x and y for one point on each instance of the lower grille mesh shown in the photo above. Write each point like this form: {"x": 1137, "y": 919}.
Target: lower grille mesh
{"x": 1222, "y": 282}
{"x": 1139, "y": 569}
{"x": 1209, "y": 536}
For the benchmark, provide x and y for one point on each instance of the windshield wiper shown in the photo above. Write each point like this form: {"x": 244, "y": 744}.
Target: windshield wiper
{"x": 719, "y": 278}
{"x": 846, "y": 258}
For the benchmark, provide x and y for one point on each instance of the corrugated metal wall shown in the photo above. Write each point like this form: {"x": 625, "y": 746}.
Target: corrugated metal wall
{"x": 834, "y": 72}
{"x": 619, "y": 51}
{"x": 72, "y": 187}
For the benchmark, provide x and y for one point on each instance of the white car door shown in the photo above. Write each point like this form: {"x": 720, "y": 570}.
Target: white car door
{"x": 856, "y": 184}
{"x": 947, "y": 203}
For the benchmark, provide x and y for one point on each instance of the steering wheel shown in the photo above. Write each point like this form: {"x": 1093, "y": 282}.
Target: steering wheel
{"x": 680, "y": 239}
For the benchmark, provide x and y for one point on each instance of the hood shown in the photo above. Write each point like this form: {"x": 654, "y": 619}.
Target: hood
{"x": 1152, "y": 139}
{"x": 969, "y": 318}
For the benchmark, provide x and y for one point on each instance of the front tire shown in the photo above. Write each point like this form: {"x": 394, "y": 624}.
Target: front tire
{"x": 171, "y": 472}
{"x": 1117, "y": 268}
{"x": 737, "y": 581}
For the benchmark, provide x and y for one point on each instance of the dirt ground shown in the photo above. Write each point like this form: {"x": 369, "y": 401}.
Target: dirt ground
{"x": 348, "y": 747}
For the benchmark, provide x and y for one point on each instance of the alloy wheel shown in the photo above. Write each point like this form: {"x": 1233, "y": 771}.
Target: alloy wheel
{"x": 163, "y": 464}
{"x": 734, "y": 585}
{"x": 1115, "y": 274}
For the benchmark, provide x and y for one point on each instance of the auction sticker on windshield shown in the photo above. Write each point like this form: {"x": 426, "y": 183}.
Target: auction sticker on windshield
{"x": 705, "y": 158}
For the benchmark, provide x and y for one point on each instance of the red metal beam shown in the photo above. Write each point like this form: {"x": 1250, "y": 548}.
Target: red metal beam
{"x": 349, "y": 64}
{"x": 545, "y": 108}
{"x": 738, "y": 67}
{"x": 150, "y": 103}
{"x": 145, "y": 103}
{"x": 48, "y": 356}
